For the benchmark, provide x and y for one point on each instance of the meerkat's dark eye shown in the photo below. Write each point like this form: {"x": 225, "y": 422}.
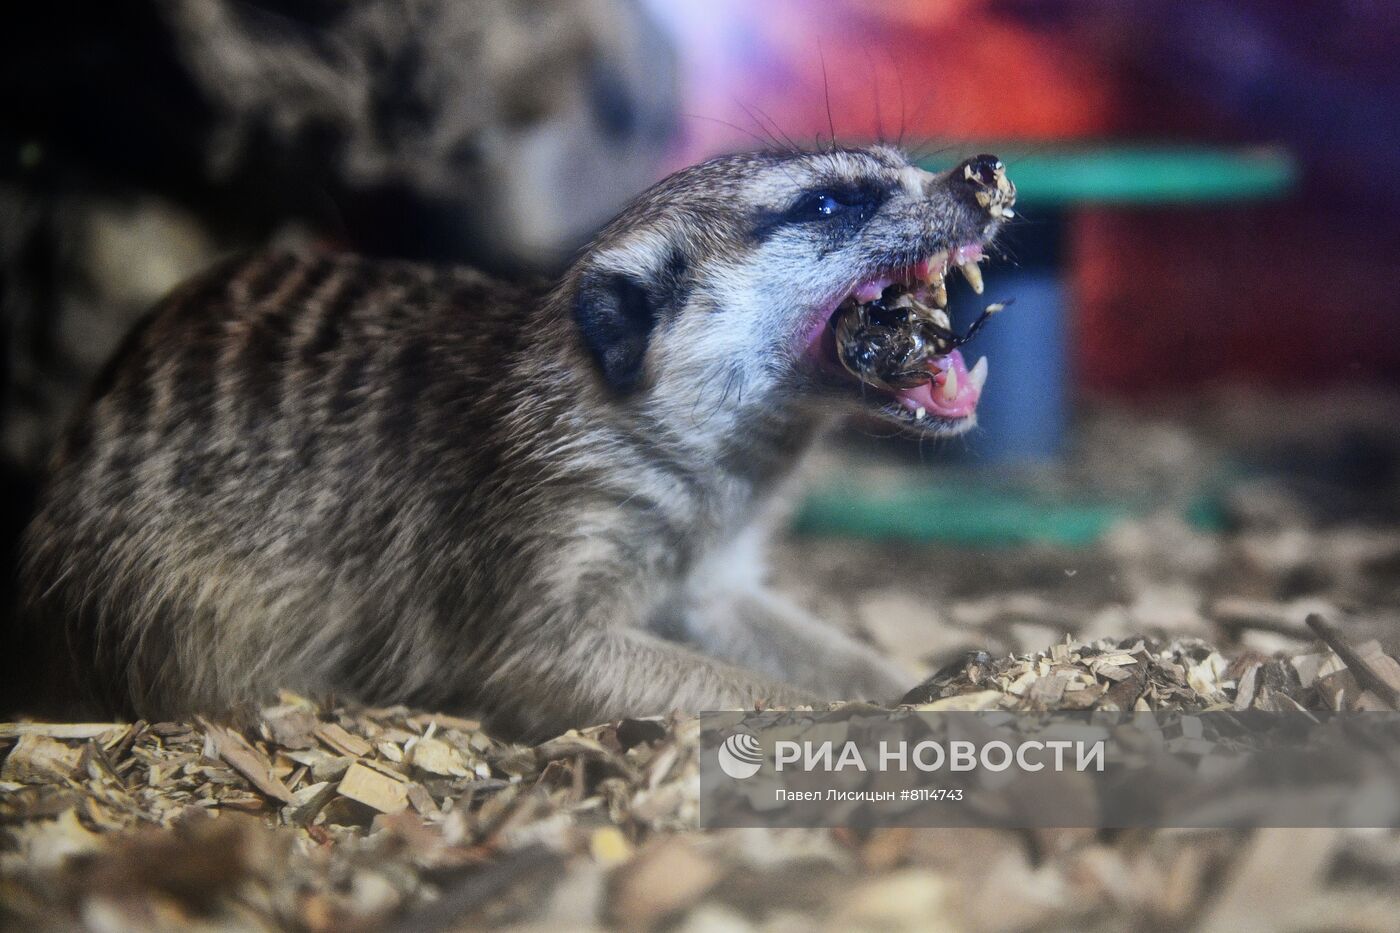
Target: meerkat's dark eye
{"x": 825, "y": 203}
{"x": 837, "y": 209}
{"x": 831, "y": 203}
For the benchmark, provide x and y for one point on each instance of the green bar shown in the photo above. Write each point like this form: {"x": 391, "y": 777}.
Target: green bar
{"x": 958, "y": 513}
{"x": 1066, "y": 175}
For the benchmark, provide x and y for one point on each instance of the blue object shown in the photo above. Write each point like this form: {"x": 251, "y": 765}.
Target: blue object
{"x": 1022, "y": 417}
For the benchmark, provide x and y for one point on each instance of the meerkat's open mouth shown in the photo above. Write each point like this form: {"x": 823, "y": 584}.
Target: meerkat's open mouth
{"x": 892, "y": 333}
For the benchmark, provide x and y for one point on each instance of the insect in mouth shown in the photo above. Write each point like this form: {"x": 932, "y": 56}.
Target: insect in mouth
{"x": 887, "y": 343}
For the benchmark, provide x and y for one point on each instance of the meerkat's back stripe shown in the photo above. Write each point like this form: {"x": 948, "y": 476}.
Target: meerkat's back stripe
{"x": 260, "y": 278}
{"x": 194, "y": 382}
{"x": 121, "y": 450}
{"x": 410, "y": 379}
{"x": 299, "y": 284}
{"x": 353, "y": 284}
{"x": 258, "y": 362}
{"x": 132, "y": 392}
{"x": 267, "y": 349}
{"x": 408, "y": 374}
{"x": 204, "y": 324}
{"x": 350, "y": 385}
{"x": 328, "y": 314}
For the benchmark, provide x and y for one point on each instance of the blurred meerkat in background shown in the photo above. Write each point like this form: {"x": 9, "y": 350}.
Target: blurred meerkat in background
{"x": 145, "y": 140}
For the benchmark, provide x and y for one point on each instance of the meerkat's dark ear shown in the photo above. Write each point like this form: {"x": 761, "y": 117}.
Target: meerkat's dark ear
{"x": 616, "y": 313}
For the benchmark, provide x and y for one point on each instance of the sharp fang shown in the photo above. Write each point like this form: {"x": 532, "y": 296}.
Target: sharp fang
{"x": 920, "y": 412}
{"x": 950, "y": 384}
{"x": 940, "y": 294}
{"x": 973, "y": 275}
{"x": 977, "y": 375}
{"x": 937, "y": 263}
{"x": 940, "y": 317}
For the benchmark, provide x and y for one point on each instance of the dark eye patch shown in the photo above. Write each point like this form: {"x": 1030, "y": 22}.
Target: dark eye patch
{"x": 840, "y": 209}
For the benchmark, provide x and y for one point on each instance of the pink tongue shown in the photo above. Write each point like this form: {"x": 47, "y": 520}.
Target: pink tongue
{"x": 930, "y": 397}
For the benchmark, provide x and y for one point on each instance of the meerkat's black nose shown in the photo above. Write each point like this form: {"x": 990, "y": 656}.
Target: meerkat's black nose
{"x": 983, "y": 170}
{"x": 987, "y": 184}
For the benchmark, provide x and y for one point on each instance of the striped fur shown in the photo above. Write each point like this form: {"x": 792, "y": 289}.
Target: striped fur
{"x": 409, "y": 484}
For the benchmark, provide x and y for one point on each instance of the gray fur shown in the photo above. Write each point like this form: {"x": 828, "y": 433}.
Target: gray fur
{"x": 408, "y": 484}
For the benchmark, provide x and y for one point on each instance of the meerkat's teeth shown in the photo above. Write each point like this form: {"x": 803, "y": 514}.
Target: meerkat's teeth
{"x": 973, "y": 275}
{"x": 950, "y": 384}
{"x": 977, "y": 375}
{"x": 940, "y": 294}
{"x": 920, "y": 412}
{"x": 937, "y": 265}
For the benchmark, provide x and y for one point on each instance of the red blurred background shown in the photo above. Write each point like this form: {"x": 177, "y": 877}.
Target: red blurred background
{"x": 1295, "y": 293}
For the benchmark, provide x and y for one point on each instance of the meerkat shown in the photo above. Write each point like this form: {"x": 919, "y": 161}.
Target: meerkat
{"x": 543, "y": 505}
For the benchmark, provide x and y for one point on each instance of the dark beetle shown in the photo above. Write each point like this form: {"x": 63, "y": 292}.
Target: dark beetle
{"x": 888, "y": 346}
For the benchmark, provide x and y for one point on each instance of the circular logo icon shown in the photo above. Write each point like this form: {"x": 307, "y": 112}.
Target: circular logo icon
{"x": 740, "y": 756}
